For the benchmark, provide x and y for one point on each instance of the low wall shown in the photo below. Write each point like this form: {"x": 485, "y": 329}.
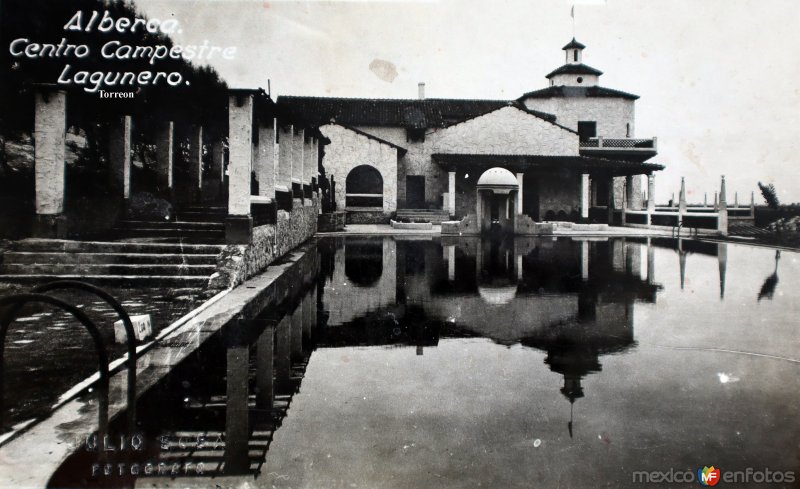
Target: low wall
{"x": 331, "y": 222}
{"x": 237, "y": 263}
{"x": 368, "y": 217}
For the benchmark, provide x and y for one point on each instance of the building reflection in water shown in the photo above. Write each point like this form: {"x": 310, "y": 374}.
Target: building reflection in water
{"x": 572, "y": 299}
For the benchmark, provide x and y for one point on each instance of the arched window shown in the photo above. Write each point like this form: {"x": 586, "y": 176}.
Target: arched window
{"x": 364, "y": 187}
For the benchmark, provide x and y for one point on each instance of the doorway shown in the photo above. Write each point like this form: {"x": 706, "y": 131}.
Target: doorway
{"x": 415, "y": 192}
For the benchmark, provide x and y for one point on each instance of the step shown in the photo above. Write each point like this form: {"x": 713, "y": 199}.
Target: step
{"x": 172, "y": 225}
{"x": 118, "y": 280}
{"x": 70, "y": 246}
{"x": 108, "y": 258}
{"x": 105, "y": 269}
{"x": 169, "y": 233}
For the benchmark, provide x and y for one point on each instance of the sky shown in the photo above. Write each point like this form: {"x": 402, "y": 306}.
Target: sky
{"x": 719, "y": 80}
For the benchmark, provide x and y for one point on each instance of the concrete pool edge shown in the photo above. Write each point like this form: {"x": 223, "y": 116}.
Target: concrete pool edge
{"x": 26, "y": 465}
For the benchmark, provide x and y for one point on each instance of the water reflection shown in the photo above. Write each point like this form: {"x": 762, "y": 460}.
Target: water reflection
{"x": 570, "y": 304}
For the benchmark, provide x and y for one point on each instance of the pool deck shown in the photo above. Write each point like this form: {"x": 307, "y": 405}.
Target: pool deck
{"x": 436, "y": 230}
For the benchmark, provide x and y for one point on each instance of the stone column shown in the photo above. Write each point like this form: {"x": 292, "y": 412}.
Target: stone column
{"x": 722, "y": 263}
{"x": 237, "y": 425}
{"x": 314, "y": 160}
{"x": 265, "y": 164}
{"x": 682, "y": 198}
{"x": 239, "y": 225}
{"x": 451, "y": 262}
{"x": 283, "y": 360}
{"x": 585, "y": 196}
{"x": 119, "y": 153}
{"x": 165, "y": 141}
{"x": 451, "y": 192}
{"x": 611, "y": 201}
{"x": 264, "y": 369}
{"x": 297, "y": 334}
{"x": 629, "y": 195}
{"x": 308, "y": 155}
{"x": 297, "y": 156}
{"x": 584, "y": 260}
{"x": 752, "y": 204}
{"x": 50, "y": 126}
{"x": 519, "y": 193}
{"x": 195, "y": 162}
{"x": 479, "y": 210}
{"x": 722, "y": 221}
{"x": 217, "y": 174}
{"x": 651, "y": 263}
{"x": 285, "y": 162}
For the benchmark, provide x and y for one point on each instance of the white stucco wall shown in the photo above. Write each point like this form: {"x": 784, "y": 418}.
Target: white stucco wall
{"x": 611, "y": 114}
{"x": 349, "y": 149}
{"x": 508, "y": 131}
{"x": 572, "y": 80}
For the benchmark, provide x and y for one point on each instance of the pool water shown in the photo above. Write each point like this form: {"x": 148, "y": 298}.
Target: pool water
{"x": 535, "y": 362}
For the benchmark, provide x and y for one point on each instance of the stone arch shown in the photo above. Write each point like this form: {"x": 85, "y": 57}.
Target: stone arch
{"x": 364, "y": 187}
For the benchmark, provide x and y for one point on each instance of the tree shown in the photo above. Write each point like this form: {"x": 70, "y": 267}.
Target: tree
{"x": 770, "y": 195}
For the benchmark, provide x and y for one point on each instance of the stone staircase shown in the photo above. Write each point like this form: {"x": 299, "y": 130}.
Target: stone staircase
{"x": 109, "y": 263}
{"x": 435, "y": 216}
{"x": 192, "y": 225}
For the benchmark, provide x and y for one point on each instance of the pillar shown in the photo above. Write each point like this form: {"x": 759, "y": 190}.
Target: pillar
{"x": 722, "y": 220}
{"x": 50, "y": 126}
{"x": 479, "y": 209}
{"x": 285, "y": 157}
{"x": 297, "y": 334}
{"x": 682, "y": 202}
{"x": 722, "y": 263}
{"x": 451, "y": 262}
{"x": 165, "y": 141}
{"x": 519, "y": 193}
{"x": 624, "y": 206}
{"x": 629, "y": 196}
{"x": 237, "y": 425}
{"x": 584, "y": 260}
{"x": 195, "y": 162}
{"x": 239, "y": 224}
{"x": 611, "y": 202}
{"x": 736, "y": 200}
{"x": 308, "y": 156}
{"x": 119, "y": 153}
{"x": 264, "y": 369}
{"x": 309, "y": 314}
{"x": 297, "y": 156}
{"x": 752, "y": 204}
{"x": 651, "y": 263}
{"x": 283, "y": 359}
{"x": 651, "y": 193}
{"x": 265, "y": 164}
{"x": 585, "y": 196}
{"x": 451, "y": 192}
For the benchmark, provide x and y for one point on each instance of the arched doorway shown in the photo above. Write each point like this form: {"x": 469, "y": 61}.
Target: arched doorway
{"x": 496, "y": 200}
{"x": 364, "y": 187}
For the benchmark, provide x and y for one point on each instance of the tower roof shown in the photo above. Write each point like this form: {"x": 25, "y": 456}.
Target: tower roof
{"x": 573, "y": 44}
{"x": 575, "y": 69}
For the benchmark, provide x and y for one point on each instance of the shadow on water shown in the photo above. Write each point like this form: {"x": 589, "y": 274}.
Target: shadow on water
{"x": 217, "y": 412}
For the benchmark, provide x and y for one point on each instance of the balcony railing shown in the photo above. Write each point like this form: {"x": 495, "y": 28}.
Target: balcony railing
{"x": 617, "y": 144}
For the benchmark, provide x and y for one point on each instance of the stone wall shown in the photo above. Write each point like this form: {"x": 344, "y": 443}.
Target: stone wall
{"x": 237, "y": 263}
{"x": 611, "y": 114}
{"x": 349, "y": 149}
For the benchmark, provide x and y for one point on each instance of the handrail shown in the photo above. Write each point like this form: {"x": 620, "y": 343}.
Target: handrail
{"x": 130, "y": 334}
{"x": 16, "y": 300}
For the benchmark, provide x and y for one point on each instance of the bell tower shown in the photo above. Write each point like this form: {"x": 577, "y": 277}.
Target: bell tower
{"x": 574, "y": 52}
{"x": 574, "y": 73}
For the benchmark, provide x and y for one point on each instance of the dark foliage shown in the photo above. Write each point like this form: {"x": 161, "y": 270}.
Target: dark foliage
{"x": 770, "y": 195}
